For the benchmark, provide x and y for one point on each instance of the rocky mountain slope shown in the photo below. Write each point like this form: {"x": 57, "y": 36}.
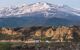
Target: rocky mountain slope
{"x": 40, "y": 13}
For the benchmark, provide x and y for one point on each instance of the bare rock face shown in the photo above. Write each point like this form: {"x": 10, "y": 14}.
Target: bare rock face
{"x": 59, "y": 33}
{"x": 9, "y": 31}
{"x": 62, "y": 33}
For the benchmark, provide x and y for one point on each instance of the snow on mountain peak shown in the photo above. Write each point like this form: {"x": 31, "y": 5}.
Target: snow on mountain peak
{"x": 36, "y": 7}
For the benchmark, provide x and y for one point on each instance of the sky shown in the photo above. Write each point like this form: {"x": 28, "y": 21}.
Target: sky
{"x": 71, "y": 3}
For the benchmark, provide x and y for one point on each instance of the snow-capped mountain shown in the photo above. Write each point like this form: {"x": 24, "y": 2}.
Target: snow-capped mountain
{"x": 40, "y": 13}
{"x": 40, "y": 7}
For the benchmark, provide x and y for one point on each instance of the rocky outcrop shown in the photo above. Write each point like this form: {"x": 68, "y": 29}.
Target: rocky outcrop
{"x": 8, "y": 31}
{"x": 60, "y": 33}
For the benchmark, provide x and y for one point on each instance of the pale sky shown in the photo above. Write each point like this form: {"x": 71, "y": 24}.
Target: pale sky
{"x": 71, "y": 3}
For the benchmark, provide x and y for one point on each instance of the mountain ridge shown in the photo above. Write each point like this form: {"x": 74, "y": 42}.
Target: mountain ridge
{"x": 36, "y": 7}
{"x": 39, "y": 14}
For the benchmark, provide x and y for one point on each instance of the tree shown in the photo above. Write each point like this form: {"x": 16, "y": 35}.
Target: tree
{"x": 75, "y": 37}
{"x": 65, "y": 37}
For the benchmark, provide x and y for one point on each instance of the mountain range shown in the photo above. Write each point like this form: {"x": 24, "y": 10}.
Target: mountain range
{"x": 39, "y": 14}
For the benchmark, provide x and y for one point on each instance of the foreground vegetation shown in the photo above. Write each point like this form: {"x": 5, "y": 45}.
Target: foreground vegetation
{"x": 40, "y": 46}
{"x": 40, "y": 38}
